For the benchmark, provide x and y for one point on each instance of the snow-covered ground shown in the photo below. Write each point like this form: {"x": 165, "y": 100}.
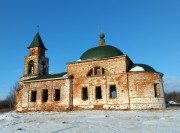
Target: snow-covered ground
{"x": 161, "y": 121}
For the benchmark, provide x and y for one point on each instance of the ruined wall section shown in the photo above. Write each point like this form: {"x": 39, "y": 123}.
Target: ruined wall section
{"x": 24, "y": 95}
{"x": 19, "y": 96}
{"x": 146, "y": 90}
{"x": 115, "y": 74}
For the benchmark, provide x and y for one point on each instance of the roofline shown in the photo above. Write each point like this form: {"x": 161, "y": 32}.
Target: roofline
{"x": 38, "y": 80}
{"x": 94, "y": 59}
{"x": 145, "y": 72}
{"x": 37, "y": 47}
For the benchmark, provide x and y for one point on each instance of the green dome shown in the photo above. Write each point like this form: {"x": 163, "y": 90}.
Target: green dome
{"x": 101, "y": 52}
{"x": 142, "y": 68}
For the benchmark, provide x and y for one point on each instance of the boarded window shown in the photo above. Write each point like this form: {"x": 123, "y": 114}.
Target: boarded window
{"x": 45, "y": 95}
{"x": 112, "y": 91}
{"x": 33, "y": 96}
{"x": 57, "y": 95}
{"x": 84, "y": 93}
{"x": 98, "y": 92}
{"x": 157, "y": 90}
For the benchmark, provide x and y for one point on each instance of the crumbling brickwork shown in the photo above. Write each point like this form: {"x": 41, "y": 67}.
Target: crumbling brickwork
{"x": 104, "y": 79}
{"x": 25, "y": 103}
{"x": 133, "y": 90}
{"x": 127, "y": 96}
{"x": 142, "y": 90}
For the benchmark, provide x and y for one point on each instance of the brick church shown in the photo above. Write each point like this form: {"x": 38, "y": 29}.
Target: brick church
{"x": 103, "y": 78}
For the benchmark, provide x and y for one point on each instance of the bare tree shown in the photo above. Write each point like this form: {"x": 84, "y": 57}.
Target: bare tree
{"x": 172, "y": 96}
{"x": 9, "y": 102}
{"x": 11, "y": 98}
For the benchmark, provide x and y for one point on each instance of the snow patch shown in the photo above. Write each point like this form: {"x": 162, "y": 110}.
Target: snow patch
{"x": 162, "y": 121}
{"x": 65, "y": 75}
{"x": 172, "y": 102}
{"x": 3, "y": 116}
{"x": 137, "y": 68}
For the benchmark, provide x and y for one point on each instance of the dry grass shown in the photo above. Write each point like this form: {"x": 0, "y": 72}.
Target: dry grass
{"x": 5, "y": 110}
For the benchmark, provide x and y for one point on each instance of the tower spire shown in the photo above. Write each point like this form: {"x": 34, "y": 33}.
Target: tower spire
{"x": 37, "y": 28}
{"x": 102, "y": 40}
{"x": 37, "y": 42}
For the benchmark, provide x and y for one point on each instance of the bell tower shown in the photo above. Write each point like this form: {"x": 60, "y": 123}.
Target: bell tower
{"x": 36, "y": 64}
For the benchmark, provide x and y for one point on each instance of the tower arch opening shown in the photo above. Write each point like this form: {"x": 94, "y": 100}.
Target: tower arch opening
{"x": 31, "y": 67}
{"x": 43, "y": 67}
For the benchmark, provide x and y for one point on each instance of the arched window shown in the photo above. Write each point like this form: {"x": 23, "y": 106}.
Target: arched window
{"x": 96, "y": 71}
{"x": 90, "y": 73}
{"x": 31, "y": 67}
{"x": 43, "y": 68}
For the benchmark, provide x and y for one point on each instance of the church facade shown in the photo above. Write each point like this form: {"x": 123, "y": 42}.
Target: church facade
{"x": 104, "y": 78}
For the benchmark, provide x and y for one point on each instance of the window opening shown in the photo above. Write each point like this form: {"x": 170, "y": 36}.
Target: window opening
{"x": 98, "y": 92}
{"x": 33, "y": 96}
{"x": 84, "y": 93}
{"x": 57, "y": 95}
{"x": 43, "y": 68}
{"x": 97, "y": 70}
{"x": 103, "y": 71}
{"x": 90, "y": 73}
{"x": 156, "y": 90}
{"x": 45, "y": 95}
{"x": 31, "y": 67}
{"x": 112, "y": 91}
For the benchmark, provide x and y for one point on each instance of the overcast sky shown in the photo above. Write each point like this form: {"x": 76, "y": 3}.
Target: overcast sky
{"x": 148, "y": 31}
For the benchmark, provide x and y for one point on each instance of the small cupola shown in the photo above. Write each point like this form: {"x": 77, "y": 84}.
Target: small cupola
{"x": 102, "y": 40}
